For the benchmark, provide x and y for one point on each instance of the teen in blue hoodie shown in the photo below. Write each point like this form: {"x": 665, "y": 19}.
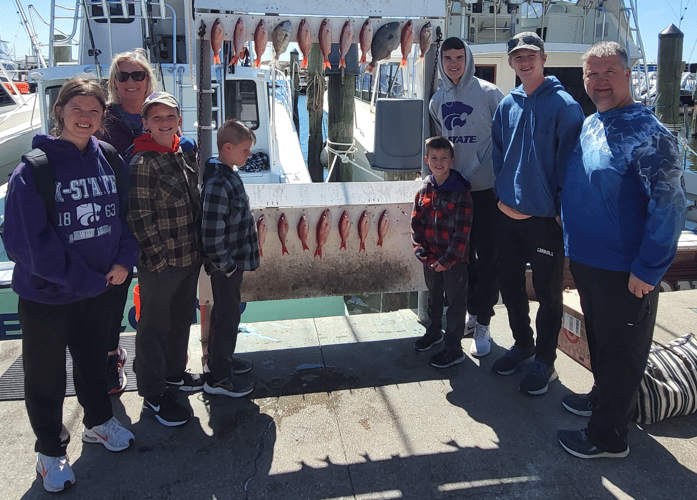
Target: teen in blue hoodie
{"x": 67, "y": 259}
{"x": 534, "y": 129}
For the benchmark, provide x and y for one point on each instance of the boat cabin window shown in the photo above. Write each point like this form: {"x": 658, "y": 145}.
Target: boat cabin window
{"x": 5, "y": 99}
{"x": 486, "y": 72}
{"x": 241, "y": 102}
{"x": 115, "y": 12}
{"x": 391, "y": 83}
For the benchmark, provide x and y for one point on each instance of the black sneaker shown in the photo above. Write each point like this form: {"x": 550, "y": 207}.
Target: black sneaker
{"x": 234, "y": 387}
{"x": 513, "y": 360}
{"x": 536, "y": 378}
{"x": 579, "y": 404}
{"x": 428, "y": 341}
{"x": 167, "y": 411}
{"x": 187, "y": 382}
{"x": 578, "y": 444}
{"x": 240, "y": 366}
{"x": 445, "y": 359}
{"x": 116, "y": 378}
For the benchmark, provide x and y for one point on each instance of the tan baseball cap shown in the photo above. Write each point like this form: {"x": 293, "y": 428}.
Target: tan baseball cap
{"x": 159, "y": 98}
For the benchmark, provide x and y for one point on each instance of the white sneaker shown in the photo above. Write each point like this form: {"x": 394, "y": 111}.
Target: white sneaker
{"x": 481, "y": 342}
{"x": 470, "y": 322}
{"x": 111, "y": 434}
{"x": 55, "y": 472}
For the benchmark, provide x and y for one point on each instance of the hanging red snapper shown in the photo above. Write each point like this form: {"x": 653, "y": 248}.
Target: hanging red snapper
{"x": 238, "y": 39}
{"x": 365, "y": 37}
{"x": 344, "y": 228}
{"x": 425, "y": 38}
{"x": 283, "y": 232}
{"x": 406, "y": 40}
{"x": 217, "y": 34}
{"x": 322, "y": 231}
{"x": 304, "y": 39}
{"x": 325, "y": 42}
{"x": 383, "y": 225}
{"x": 345, "y": 42}
{"x": 261, "y": 231}
{"x": 260, "y": 38}
{"x": 363, "y": 228}
{"x": 303, "y": 230}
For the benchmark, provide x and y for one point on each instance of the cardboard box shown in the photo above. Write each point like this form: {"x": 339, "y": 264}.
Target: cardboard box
{"x": 572, "y": 336}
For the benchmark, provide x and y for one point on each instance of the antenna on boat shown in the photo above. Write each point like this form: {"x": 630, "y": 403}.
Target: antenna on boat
{"x": 93, "y": 51}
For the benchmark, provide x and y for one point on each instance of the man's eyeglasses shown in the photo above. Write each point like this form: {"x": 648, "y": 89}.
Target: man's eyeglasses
{"x": 523, "y": 40}
{"x": 138, "y": 76}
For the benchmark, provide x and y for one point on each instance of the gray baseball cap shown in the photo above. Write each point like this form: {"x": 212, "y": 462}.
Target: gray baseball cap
{"x": 525, "y": 40}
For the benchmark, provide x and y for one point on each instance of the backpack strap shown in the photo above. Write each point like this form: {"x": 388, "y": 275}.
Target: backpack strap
{"x": 44, "y": 176}
{"x": 115, "y": 161}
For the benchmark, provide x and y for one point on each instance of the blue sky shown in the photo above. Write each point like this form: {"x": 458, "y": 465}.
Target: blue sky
{"x": 654, "y": 17}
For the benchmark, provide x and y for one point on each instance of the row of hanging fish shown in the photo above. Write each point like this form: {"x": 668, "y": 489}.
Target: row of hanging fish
{"x": 387, "y": 38}
{"x": 323, "y": 229}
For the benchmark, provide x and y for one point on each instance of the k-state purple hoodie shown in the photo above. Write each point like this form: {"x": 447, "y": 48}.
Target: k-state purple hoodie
{"x": 64, "y": 257}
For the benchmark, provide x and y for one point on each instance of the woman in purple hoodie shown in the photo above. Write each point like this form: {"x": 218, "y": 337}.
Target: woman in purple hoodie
{"x": 68, "y": 257}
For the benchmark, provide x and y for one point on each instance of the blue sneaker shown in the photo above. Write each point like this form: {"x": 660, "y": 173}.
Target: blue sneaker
{"x": 513, "y": 360}
{"x": 536, "y": 378}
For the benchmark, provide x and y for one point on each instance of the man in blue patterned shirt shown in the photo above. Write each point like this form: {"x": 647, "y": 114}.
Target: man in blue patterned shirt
{"x": 623, "y": 208}
{"x": 231, "y": 246}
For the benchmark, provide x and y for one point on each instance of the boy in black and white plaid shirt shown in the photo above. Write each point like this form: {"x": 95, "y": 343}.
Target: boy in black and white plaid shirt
{"x": 231, "y": 246}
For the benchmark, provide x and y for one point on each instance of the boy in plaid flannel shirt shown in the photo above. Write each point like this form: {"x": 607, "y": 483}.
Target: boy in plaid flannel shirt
{"x": 231, "y": 246}
{"x": 165, "y": 217}
{"x": 440, "y": 224}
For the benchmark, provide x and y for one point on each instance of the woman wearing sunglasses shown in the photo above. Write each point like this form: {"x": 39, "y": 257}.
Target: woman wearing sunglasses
{"x": 131, "y": 80}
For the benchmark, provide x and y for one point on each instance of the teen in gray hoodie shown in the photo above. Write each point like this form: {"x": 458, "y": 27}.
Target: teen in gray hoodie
{"x": 462, "y": 110}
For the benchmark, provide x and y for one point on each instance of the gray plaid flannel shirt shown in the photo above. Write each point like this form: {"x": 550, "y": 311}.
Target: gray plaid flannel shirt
{"x": 164, "y": 209}
{"x": 229, "y": 233}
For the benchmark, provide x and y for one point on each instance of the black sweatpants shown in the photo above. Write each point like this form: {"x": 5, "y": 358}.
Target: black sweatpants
{"x": 483, "y": 268}
{"x": 121, "y": 297}
{"x": 225, "y": 321}
{"x": 539, "y": 242}
{"x": 167, "y": 308}
{"x": 450, "y": 284}
{"x": 619, "y": 327}
{"x": 46, "y": 331}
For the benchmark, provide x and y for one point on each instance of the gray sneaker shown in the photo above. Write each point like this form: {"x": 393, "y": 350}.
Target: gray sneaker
{"x": 481, "y": 342}
{"x": 513, "y": 360}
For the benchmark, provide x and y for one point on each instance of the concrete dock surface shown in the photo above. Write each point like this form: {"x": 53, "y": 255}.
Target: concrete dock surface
{"x": 345, "y": 408}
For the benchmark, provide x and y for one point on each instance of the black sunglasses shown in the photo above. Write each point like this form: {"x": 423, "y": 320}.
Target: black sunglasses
{"x": 138, "y": 76}
{"x": 524, "y": 40}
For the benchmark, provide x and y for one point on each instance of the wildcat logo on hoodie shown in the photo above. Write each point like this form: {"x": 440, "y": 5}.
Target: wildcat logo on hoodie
{"x": 455, "y": 115}
{"x": 88, "y": 213}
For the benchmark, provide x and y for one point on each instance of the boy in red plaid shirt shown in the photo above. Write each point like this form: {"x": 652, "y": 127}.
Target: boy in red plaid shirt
{"x": 440, "y": 224}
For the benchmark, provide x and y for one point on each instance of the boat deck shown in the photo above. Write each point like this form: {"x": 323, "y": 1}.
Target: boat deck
{"x": 344, "y": 408}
